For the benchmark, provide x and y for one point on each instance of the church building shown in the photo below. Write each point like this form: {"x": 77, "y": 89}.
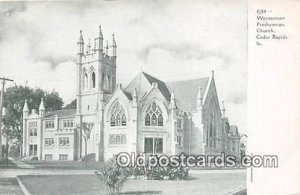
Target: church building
{"x": 146, "y": 116}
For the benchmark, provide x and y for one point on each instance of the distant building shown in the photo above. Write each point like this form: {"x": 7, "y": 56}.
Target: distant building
{"x": 148, "y": 115}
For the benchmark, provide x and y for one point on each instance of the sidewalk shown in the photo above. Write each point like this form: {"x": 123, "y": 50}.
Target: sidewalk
{"x": 21, "y": 164}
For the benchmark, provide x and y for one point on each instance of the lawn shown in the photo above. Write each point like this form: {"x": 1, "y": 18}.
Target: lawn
{"x": 202, "y": 182}
{"x": 10, "y": 186}
{"x": 7, "y": 164}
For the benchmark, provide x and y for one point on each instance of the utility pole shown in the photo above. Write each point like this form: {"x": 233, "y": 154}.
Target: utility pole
{"x": 3, "y": 79}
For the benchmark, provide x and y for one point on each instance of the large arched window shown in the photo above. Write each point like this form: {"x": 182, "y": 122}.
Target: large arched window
{"x": 153, "y": 115}
{"x": 93, "y": 80}
{"x": 118, "y": 117}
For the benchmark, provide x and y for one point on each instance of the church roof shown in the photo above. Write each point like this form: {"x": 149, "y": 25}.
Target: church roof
{"x": 143, "y": 83}
{"x": 186, "y": 92}
{"x": 61, "y": 113}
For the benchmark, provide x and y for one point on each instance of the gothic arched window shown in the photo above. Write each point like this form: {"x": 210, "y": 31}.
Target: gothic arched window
{"x": 147, "y": 120}
{"x": 112, "y": 139}
{"x": 160, "y": 120}
{"x": 153, "y": 120}
{"x": 93, "y": 80}
{"x": 112, "y": 121}
{"x": 118, "y": 117}
{"x": 118, "y": 139}
{"x": 102, "y": 81}
{"x": 153, "y": 115}
{"x": 108, "y": 82}
{"x": 118, "y": 120}
{"x": 210, "y": 130}
{"x": 85, "y": 81}
{"x": 123, "y": 139}
{"x": 123, "y": 120}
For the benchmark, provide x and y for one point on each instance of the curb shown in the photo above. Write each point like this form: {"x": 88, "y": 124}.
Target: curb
{"x": 239, "y": 191}
{"x": 24, "y": 189}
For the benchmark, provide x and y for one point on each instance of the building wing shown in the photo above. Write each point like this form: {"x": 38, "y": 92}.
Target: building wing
{"x": 186, "y": 92}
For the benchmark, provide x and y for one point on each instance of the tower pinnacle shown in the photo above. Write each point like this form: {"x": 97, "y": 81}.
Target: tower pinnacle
{"x": 100, "y": 33}
{"x": 80, "y": 45}
{"x": 114, "y": 46}
{"x": 223, "y": 109}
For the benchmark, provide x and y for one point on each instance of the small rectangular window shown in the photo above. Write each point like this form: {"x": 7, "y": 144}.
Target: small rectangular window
{"x": 49, "y": 142}
{"x": 68, "y": 123}
{"x": 179, "y": 140}
{"x": 32, "y": 128}
{"x": 64, "y": 141}
{"x": 48, "y": 156}
{"x": 49, "y": 124}
{"x": 63, "y": 157}
{"x": 32, "y": 150}
{"x": 179, "y": 124}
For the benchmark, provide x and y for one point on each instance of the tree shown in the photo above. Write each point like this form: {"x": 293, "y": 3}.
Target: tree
{"x": 14, "y": 99}
{"x": 86, "y": 129}
{"x": 71, "y": 105}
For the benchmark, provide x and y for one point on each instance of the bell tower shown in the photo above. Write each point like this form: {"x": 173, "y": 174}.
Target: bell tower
{"x": 96, "y": 71}
{"x": 96, "y": 77}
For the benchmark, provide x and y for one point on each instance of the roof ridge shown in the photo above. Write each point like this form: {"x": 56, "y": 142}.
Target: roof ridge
{"x": 187, "y": 80}
{"x": 147, "y": 74}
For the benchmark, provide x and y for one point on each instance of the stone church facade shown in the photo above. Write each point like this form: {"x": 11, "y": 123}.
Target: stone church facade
{"x": 146, "y": 116}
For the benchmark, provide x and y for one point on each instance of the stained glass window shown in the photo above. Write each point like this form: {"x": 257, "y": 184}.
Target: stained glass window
{"x": 154, "y": 116}
{"x": 118, "y": 117}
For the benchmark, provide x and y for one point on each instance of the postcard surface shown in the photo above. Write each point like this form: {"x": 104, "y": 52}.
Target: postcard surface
{"x": 149, "y": 97}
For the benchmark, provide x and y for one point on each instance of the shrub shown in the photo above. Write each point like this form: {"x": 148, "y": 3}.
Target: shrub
{"x": 113, "y": 175}
{"x": 168, "y": 173}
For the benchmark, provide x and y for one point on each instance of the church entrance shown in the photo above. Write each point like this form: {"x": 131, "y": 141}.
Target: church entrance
{"x": 153, "y": 145}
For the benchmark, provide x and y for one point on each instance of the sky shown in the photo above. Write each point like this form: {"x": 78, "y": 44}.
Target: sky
{"x": 171, "y": 40}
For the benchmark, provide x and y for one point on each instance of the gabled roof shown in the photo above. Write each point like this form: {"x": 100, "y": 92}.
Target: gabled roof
{"x": 128, "y": 95}
{"x": 186, "y": 92}
{"x": 61, "y": 113}
{"x": 143, "y": 83}
{"x": 160, "y": 84}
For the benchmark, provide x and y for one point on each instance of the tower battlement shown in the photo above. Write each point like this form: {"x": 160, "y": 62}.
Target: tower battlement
{"x": 88, "y": 53}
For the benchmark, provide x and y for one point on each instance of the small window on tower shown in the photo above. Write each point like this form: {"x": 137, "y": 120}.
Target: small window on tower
{"x": 108, "y": 82}
{"x": 93, "y": 80}
{"x": 85, "y": 81}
